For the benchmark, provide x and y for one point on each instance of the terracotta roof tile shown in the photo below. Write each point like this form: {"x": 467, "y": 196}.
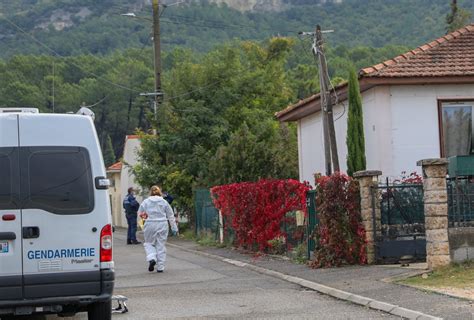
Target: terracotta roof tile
{"x": 450, "y": 55}
{"x": 115, "y": 167}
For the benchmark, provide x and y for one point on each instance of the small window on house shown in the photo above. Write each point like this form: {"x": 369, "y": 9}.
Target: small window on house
{"x": 456, "y": 134}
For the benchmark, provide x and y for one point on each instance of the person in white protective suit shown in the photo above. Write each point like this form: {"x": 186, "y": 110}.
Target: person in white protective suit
{"x": 156, "y": 212}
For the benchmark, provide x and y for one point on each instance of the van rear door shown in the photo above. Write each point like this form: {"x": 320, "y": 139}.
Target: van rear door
{"x": 10, "y": 215}
{"x": 61, "y": 227}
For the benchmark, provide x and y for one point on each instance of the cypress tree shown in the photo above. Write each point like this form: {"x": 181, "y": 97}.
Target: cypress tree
{"x": 355, "y": 128}
{"x": 457, "y": 18}
{"x": 108, "y": 152}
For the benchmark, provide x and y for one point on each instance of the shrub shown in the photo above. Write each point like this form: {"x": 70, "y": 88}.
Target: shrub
{"x": 340, "y": 236}
{"x": 255, "y": 210}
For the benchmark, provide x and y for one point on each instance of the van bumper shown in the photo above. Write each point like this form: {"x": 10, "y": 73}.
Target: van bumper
{"x": 106, "y": 283}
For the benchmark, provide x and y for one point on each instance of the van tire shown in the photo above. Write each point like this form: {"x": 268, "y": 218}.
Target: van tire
{"x": 100, "y": 311}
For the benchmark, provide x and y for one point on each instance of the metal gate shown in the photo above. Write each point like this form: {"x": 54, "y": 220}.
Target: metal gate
{"x": 400, "y": 232}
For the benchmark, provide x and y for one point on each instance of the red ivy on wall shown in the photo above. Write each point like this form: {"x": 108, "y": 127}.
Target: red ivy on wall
{"x": 256, "y": 209}
{"x": 340, "y": 236}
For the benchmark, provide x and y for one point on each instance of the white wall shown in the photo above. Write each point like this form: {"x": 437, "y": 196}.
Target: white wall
{"x": 415, "y": 127}
{"x": 127, "y": 180}
{"x": 116, "y": 199}
{"x": 311, "y": 142}
{"x": 400, "y": 126}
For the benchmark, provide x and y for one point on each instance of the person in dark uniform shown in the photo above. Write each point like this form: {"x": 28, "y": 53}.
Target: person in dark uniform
{"x": 131, "y": 205}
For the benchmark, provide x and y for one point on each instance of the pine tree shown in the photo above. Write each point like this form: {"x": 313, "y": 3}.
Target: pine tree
{"x": 108, "y": 150}
{"x": 355, "y": 128}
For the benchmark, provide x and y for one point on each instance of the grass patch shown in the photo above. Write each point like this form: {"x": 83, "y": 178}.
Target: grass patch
{"x": 208, "y": 239}
{"x": 454, "y": 276}
{"x": 300, "y": 253}
{"x": 188, "y": 234}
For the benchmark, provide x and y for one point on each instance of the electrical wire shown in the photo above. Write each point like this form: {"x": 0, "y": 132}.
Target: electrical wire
{"x": 93, "y": 105}
{"x": 67, "y": 61}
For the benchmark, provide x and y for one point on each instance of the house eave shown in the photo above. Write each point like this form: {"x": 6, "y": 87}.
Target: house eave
{"x": 312, "y": 105}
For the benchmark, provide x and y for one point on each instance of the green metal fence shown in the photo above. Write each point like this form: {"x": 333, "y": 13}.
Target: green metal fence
{"x": 461, "y": 201}
{"x": 207, "y": 216}
{"x": 312, "y": 220}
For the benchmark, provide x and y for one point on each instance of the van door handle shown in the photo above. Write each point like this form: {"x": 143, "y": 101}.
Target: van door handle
{"x": 7, "y": 236}
{"x": 31, "y": 232}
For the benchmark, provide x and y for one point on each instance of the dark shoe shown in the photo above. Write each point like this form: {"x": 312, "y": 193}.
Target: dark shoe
{"x": 129, "y": 242}
{"x": 160, "y": 271}
{"x": 136, "y": 242}
{"x": 151, "y": 265}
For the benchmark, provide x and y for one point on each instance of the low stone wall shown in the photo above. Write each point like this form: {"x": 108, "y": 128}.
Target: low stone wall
{"x": 461, "y": 243}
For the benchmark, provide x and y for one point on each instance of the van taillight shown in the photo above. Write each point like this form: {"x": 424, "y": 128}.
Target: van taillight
{"x": 106, "y": 244}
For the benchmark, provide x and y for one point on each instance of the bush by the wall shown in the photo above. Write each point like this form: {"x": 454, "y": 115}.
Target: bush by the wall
{"x": 256, "y": 210}
{"x": 340, "y": 236}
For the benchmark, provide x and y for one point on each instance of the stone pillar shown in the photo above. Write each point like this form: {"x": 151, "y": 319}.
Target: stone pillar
{"x": 367, "y": 179}
{"x": 436, "y": 211}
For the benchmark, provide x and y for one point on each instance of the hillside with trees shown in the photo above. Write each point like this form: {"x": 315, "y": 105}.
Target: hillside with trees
{"x": 97, "y": 27}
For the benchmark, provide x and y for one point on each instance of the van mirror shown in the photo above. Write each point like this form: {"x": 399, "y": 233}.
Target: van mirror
{"x": 102, "y": 183}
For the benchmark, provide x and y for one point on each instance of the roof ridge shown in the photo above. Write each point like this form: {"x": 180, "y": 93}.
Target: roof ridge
{"x": 423, "y": 48}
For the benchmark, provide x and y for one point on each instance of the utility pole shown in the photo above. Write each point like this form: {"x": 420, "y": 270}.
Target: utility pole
{"x": 329, "y": 134}
{"x": 157, "y": 94}
{"x": 157, "y": 47}
{"x": 326, "y": 102}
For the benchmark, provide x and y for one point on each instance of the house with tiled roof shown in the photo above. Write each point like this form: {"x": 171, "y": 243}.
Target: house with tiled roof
{"x": 122, "y": 178}
{"x": 418, "y": 105}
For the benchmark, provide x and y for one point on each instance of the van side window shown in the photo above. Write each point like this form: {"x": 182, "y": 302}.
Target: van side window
{"x": 57, "y": 180}
{"x": 8, "y": 162}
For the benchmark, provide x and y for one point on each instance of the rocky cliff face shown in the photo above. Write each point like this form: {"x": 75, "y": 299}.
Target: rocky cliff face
{"x": 255, "y": 5}
{"x": 269, "y": 5}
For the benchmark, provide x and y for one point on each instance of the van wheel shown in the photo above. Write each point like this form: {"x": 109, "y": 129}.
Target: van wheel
{"x": 100, "y": 311}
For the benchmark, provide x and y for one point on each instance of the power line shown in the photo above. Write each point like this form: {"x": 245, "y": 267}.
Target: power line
{"x": 67, "y": 61}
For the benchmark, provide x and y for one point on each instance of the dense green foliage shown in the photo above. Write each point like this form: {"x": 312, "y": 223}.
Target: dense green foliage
{"x": 355, "y": 128}
{"x": 226, "y": 132}
{"x": 96, "y": 27}
{"x": 457, "y": 18}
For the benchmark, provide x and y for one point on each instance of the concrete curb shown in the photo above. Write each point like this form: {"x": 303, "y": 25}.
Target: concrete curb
{"x": 335, "y": 293}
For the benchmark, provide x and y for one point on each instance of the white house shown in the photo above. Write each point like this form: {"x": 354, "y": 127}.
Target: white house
{"x": 418, "y": 105}
{"x": 122, "y": 178}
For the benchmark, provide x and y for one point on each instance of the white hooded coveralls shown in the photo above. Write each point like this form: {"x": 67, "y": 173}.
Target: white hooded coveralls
{"x": 156, "y": 228}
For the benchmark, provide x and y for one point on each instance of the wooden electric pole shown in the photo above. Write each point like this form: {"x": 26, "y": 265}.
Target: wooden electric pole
{"x": 331, "y": 157}
{"x": 157, "y": 47}
{"x": 157, "y": 61}
{"x": 326, "y": 102}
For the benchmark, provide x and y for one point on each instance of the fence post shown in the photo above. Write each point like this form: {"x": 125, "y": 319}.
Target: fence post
{"x": 370, "y": 210}
{"x": 436, "y": 211}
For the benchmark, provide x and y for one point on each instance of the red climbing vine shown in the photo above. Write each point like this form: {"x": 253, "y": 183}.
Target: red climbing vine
{"x": 256, "y": 209}
{"x": 340, "y": 235}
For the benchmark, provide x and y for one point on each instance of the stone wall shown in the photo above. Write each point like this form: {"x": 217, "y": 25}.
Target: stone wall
{"x": 436, "y": 212}
{"x": 461, "y": 244}
{"x": 370, "y": 210}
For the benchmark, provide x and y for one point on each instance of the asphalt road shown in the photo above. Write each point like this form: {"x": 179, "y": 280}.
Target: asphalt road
{"x": 194, "y": 286}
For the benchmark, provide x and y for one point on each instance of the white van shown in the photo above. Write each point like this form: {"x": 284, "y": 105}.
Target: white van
{"x": 55, "y": 218}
